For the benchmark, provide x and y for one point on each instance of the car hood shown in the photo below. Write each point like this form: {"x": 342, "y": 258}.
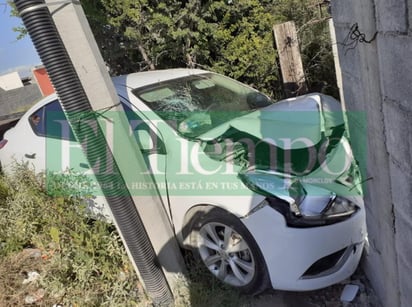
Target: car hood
{"x": 293, "y": 123}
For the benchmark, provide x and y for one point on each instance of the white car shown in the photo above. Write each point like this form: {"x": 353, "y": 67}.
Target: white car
{"x": 267, "y": 193}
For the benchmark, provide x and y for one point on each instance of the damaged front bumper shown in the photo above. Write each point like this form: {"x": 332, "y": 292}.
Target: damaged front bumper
{"x": 317, "y": 257}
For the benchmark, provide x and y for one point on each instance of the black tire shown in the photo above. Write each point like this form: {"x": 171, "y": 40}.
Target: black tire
{"x": 235, "y": 260}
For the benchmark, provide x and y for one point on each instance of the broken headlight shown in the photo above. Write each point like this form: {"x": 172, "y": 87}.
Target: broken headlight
{"x": 335, "y": 210}
{"x": 299, "y": 207}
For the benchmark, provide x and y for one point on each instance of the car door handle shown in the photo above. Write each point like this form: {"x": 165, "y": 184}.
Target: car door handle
{"x": 30, "y": 156}
{"x": 84, "y": 165}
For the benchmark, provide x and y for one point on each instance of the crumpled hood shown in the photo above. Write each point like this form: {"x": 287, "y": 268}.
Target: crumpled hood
{"x": 340, "y": 175}
{"x": 289, "y": 124}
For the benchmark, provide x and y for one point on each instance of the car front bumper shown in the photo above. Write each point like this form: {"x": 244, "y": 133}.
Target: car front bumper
{"x": 303, "y": 259}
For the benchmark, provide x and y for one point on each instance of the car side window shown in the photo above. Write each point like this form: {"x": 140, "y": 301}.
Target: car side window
{"x": 36, "y": 121}
{"x": 50, "y": 121}
{"x": 139, "y": 125}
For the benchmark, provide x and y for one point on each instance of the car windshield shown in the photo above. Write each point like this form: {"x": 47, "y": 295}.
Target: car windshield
{"x": 196, "y": 104}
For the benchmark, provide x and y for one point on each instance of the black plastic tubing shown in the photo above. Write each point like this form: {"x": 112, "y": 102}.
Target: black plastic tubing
{"x": 46, "y": 39}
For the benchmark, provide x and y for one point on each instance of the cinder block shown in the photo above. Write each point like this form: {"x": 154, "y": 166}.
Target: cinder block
{"x": 398, "y": 132}
{"x": 405, "y": 285}
{"x": 409, "y": 4}
{"x": 391, "y": 15}
{"x": 350, "y": 13}
{"x": 401, "y": 186}
{"x": 403, "y": 239}
{"x": 378, "y": 201}
{"x": 378, "y": 169}
{"x": 396, "y": 69}
{"x": 343, "y": 11}
{"x": 380, "y": 267}
{"x": 352, "y": 91}
{"x": 18, "y": 99}
{"x": 404, "y": 250}
{"x": 349, "y": 59}
{"x": 374, "y": 119}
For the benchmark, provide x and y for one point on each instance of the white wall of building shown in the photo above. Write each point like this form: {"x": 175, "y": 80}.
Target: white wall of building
{"x": 10, "y": 81}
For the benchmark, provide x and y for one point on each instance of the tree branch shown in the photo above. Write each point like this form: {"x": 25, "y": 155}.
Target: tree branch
{"x": 146, "y": 57}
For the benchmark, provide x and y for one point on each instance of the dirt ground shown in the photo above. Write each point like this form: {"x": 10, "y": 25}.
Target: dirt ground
{"x": 328, "y": 297}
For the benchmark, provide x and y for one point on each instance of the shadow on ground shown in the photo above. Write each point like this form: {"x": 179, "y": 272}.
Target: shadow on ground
{"x": 206, "y": 291}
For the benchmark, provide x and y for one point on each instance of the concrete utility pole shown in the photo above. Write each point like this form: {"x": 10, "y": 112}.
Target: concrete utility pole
{"x": 81, "y": 46}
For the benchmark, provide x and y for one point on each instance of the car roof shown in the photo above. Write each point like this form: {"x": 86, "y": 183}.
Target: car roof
{"x": 141, "y": 79}
{"x": 138, "y": 79}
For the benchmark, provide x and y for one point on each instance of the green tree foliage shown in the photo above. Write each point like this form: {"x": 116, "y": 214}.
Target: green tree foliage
{"x": 20, "y": 30}
{"x": 232, "y": 37}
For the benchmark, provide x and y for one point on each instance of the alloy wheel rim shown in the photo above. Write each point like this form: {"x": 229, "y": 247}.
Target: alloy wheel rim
{"x": 226, "y": 254}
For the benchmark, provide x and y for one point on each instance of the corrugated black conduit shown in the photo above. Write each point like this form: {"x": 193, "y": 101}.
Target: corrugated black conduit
{"x": 47, "y": 41}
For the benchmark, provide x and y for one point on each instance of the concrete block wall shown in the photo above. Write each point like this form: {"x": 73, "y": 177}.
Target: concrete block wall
{"x": 377, "y": 80}
{"x": 19, "y": 99}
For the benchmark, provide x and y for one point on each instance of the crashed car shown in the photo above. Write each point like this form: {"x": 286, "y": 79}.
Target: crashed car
{"x": 267, "y": 193}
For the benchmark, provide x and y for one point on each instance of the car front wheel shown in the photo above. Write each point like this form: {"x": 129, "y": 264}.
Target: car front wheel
{"x": 229, "y": 251}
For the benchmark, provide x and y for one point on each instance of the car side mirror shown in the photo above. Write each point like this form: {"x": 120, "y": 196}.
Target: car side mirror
{"x": 257, "y": 100}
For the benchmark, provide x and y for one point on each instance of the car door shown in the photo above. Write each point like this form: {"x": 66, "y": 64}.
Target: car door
{"x": 62, "y": 151}
{"x": 153, "y": 149}
{"x": 28, "y": 140}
